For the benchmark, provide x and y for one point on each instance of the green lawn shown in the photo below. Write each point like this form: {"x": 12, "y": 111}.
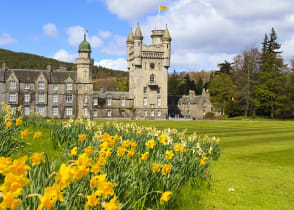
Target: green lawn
{"x": 257, "y": 160}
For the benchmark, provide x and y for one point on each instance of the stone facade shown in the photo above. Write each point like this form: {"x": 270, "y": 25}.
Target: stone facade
{"x": 61, "y": 94}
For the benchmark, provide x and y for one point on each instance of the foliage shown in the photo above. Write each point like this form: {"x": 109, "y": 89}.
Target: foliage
{"x": 209, "y": 115}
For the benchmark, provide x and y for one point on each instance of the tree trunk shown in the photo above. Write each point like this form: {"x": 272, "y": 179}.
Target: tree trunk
{"x": 272, "y": 107}
{"x": 248, "y": 93}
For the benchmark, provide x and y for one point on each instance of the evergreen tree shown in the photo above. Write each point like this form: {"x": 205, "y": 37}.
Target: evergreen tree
{"x": 199, "y": 87}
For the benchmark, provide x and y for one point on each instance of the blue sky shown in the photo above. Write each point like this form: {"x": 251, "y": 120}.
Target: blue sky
{"x": 204, "y": 32}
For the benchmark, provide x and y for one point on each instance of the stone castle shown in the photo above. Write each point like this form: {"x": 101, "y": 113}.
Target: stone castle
{"x": 61, "y": 94}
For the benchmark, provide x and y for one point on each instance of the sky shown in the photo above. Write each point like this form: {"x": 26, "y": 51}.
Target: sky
{"x": 204, "y": 32}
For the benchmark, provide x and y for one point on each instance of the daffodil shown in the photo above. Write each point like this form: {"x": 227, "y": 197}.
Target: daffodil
{"x": 82, "y": 137}
{"x": 112, "y": 204}
{"x": 156, "y": 167}
{"x": 150, "y": 144}
{"x": 37, "y": 135}
{"x": 166, "y": 196}
{"x": 74, "y": 151}
{"x": 144, "y": 156}
{"x": 169, "y": 154}
{"x": 166, "y": 169}
{"x": 37, "y": 158}
{"x": 18, "y": 121}
{"x": 24, "y": 133}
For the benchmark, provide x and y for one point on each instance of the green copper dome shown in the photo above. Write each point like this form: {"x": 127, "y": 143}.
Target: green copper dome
{"x": 85, "y": 46}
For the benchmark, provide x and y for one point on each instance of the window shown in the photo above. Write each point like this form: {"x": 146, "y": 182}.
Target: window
{"x": 55, "y": 87}
{"x": 158, "y": 90}
{"x": 145, "y": 89}
{"x": 41, "y": 85}
{"x": 68, "y": 86}
{"x": 123, "y": 102}
{"x": 146, "y": 113}
{"x": 158, "y": 101}
{"x": 12, "y": 97}
{"x": 41, "y": 98}
{"x": 68, "y": 111}
{"x": 152, "y": 79}
{"x": 86, "y": 87}
{"x": 55, "y": 98}
{"x": 55, "y": 111}
{"x": 85, "y": 111}
{"x": 26, "y": 86}
{"x": 68, "y": 98}
{"x": 152, "y": 113}
{"x": 108, "y": 113}
{"x": 204, "y": 112}
{"x": 41, "y": 110}
{"x": 27, "y": 97}
{"x": 26, "y": 110}
{"x": 95, "y": 101}
{"x": 95, "y": 113}
{"x": 145, "y": 101}
{"x": 108, "y": 101}
{"x": 12, "y": 85}
{"x": 188, "y": 112}
{"x": 85, "y": 98}
{"x": 158, "y": 113}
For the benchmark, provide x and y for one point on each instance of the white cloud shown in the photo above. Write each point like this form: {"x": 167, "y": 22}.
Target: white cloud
{"x": 50, "y": 30}
{"x": 6, "y": 39}
{"x": 76, "y": 36}
{"x": 115, "y": 46}
{"x": 63, "y": 55}
{"x": 104, "y": 34}
{"x": 117, "y": 64}
{"x": 132, "y": 9}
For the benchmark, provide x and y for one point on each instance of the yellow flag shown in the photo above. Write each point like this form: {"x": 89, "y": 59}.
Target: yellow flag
{"x": 162, "y": 8}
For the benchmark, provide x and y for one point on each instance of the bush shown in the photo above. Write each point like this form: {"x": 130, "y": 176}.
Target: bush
{"x": 209, "y": 115}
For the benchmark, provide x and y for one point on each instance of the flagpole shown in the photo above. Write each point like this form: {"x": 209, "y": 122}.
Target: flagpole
{"x": 158, "y": 17}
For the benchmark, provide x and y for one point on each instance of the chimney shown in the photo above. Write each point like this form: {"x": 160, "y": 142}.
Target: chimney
{"x": 102, "y": 90}
{"x": 49, "y": 68}
{"x": 4, "y": 66}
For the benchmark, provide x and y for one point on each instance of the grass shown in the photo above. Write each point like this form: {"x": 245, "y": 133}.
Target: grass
{"x": 257, "y": 160}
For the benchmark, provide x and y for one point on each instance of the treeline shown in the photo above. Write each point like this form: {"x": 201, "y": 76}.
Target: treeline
{"x": 257, "y": 82}
{"x": 182, "y": 83}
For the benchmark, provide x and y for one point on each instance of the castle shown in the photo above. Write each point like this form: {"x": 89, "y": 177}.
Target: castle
{"x": 62, "y": 94}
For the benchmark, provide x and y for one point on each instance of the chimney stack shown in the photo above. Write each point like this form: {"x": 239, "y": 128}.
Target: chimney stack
{"x": 4, "y": 66}
{"x": 49, "y": 68}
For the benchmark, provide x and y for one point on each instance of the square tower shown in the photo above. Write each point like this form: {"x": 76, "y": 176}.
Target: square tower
{"x": 148, "y": 73}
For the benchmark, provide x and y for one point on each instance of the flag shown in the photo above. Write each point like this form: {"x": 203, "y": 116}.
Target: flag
{"x": 162, "y": 8}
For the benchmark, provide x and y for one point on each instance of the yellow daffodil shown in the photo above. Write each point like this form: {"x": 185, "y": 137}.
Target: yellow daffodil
{"x": 19, "y": 167}
{"x": 4, "y": 163}
{"x": 18, "y": 121}
{"x": 203, "y": 161}
{"x": 8, "y": 125}
{"x": 150, "y": 144}
{"x": 121, "y": 151}
{"x": 37, "y": 158}
{"x": 166, "y": 196}
{"x": 166, "y": 169}
{"x": 131, "y": 153}
{"x": 89, "y": 150}
{"x": 82, "y": 137}
{"x": 169, "y": 154}
{"x": 74, "y": 151}
{"x": 112, "y": 204}
{"x": 144, "y": 156}
{"x": 37, "y": 135}
{"x": 156, "y": 167}
{"x": 92, "y": 201}
{"x": 9, "y": 201}
{"x": 24, "y": 133}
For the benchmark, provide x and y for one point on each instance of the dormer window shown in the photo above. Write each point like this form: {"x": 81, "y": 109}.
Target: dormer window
{"x": 152, "y": 79}
{"x": 108, "y": 101}
{"x": 41, "y": 85}
{"x": 69, "y": 86}
{"x": 85, "y": 99}
{"x": 145, "y": 89}
{"x": 55, "y": 87}
{"x": 26, "y": 86}
{"x": 12, "y": 85}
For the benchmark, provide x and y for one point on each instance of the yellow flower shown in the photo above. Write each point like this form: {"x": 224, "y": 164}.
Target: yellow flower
{"x": 177, "y": 148}
{"x": 169, "y": 154}
{"x": 24, "y": 133}
{"x": 9, "y": 201}
{"x": 37, "y": 158}
{"x": 4, "y": 163}
{"x": 112, "y": 205}
{"x": 18, "y": 121}
{"x": 150, "y": 144}
{"x": 105, "y": 189}
{"x": 134, "y": 144}
{"x": 80, "y": 172}
{"x": 203, "y": 161}
{"x": 8, "y": 124}
{"x": 82, "y": 137}
{"x": 37, "y": 135}
{"x": 126, "y": 144}
{"x": 65, "y": 175}
{"x": 101, "y": 161}
{"x": 14, "y": 184}
{"x": 48, "y": 121}
{"x": 165, "y": 196}
{"x": 51, "y": 195}
{"x": 131, "y": 153}
{"x": 144, "y": 156}
{"x": 19, "y": 167}
{"x": 183, "y": 148}
{"x": 166, "y": 169}
{"x": 120, "y": 151}
{"x": 96, "y": 168}
{"x": 83, "y": 160}
{"x": 92, "y": 201}
{"x": 89, "y": 150}
{"x": 74, "y": 151}
{"x": 163, "y": 139}
{"x": 96, "y": 181}
{"x": 156, "y": 167}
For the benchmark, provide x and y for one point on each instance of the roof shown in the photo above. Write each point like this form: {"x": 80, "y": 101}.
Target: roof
{"x": 30, "y": 76}
{"x": 113, "y": 94}
{"x": 85, "y": 46}
{"x": 138, "y": 33}
{"x": 130, "y": 37}
{"x": 166, "y": 35}
{"x": 185, "y": 98}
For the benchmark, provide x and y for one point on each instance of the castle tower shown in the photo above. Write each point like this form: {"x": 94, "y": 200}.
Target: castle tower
{"x": 84, "y": 79}
{"x": 148, "y": 73}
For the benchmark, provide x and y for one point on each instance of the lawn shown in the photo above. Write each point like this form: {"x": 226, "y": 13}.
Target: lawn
{"x": 257, "y": 161}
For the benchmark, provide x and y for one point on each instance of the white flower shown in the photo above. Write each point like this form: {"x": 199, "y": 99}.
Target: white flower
{"x": 231, "y": 189}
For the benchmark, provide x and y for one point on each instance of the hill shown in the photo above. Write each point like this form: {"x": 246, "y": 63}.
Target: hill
{"x": 20, "y": 60}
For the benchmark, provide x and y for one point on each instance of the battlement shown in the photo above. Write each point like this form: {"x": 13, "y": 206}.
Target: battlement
{"x": 152, "y": 55}
{"x": 157, "y": 37}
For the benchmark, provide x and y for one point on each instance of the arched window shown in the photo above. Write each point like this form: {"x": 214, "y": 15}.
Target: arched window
{"x": 152, "y": 79}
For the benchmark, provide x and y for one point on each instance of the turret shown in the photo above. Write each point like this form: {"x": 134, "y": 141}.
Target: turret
{"x": 166, "y": 42}
{"x": 130, "y": 47}
{"x": 84, "y": 62}
{"x": 138, "y": 46}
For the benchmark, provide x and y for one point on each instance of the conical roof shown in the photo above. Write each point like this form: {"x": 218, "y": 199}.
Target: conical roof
{"x": 166, "y": 35}
{"x": 130, "y": 37}
{"x": 138, "y": 33}
{"x": 85, "y": 46}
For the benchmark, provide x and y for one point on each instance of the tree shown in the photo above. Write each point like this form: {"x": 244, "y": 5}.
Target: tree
{"x": 225, "y": 67}
{"x": 221, "y": 90}
{"x": 199, "y": 87}
{"x": 270, "y": 76}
